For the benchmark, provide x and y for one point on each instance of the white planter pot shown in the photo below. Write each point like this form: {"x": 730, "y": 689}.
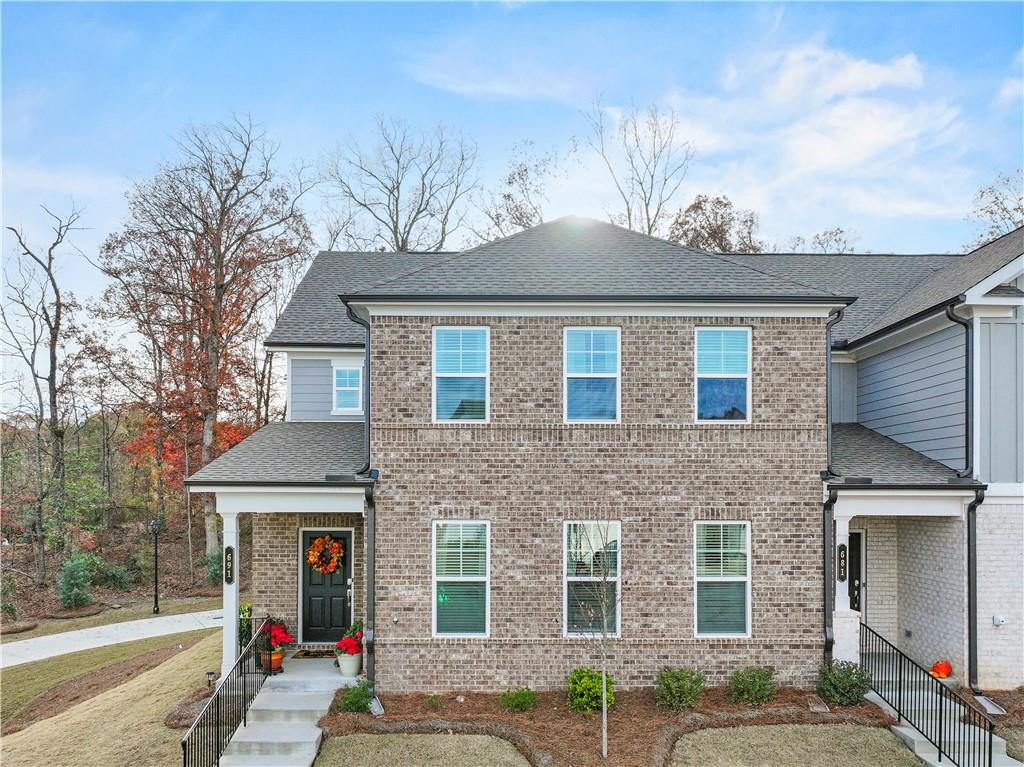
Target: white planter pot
{"x": 350, "y": 665}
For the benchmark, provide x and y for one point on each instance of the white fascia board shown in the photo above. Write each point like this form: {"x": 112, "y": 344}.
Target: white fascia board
{"x": 597, "y": 309}
{"x": 298, "y": 352}
{"x": 842, "y": 356}
{"x": 902, "y": 503}
{"x": 920, "y": 329}
{"x": 285, "y": 500}
{"x": 1006, "y": 274}
{"x": 1004, "y": 494}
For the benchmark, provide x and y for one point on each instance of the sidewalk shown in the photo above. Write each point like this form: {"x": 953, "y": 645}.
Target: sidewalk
{"x": 28, "y": 650}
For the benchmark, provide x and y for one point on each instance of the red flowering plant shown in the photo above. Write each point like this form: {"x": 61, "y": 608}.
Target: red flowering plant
{"x": 278, "y": 636}
{"x": 352, "y": 642}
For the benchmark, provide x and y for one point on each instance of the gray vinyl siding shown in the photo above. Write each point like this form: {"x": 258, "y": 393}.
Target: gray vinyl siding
{"x": 844, "y": 392}
{"x": 914, "y": 394}
{"x": 1001, "y": 383}
{"x": 311, "y": 391}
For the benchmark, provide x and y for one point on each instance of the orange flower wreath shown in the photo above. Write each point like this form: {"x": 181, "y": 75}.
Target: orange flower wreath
{"x": 324, "y": 555}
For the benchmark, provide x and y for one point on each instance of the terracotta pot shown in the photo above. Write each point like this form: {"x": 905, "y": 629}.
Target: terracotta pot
{"x": 350, "y": 665}
{"x": 272, "y": 659}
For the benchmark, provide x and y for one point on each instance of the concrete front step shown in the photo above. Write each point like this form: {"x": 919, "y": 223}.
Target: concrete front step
{"x": 275, "y": 739}
{"x": 929, "y": 754}
{"x": 971, "y": 739}
{"x": 272, "y": 706}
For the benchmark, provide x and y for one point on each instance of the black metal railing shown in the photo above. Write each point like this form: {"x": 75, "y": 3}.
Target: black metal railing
{"x": 205, "y": 741}
{"x": 958, "y": 731}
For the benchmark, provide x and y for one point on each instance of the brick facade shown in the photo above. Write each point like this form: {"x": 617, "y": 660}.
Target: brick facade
{"x": 1000, "y": 579}
{"x": 657, "y": 472}
{"x": 276, "y": 557}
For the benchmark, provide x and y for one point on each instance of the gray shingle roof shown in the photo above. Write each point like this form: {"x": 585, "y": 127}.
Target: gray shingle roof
{"x": 953, "y": 280}
{"x": 858, "y": 452}
{"x": 878, "y": 281}
{"x": 575, "y": 256}
{"x": 291, "y": 452}
{"x": 315, "y": 315}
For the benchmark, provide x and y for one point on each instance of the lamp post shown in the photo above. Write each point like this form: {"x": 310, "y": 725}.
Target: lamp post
{"x": 155, "y": 526}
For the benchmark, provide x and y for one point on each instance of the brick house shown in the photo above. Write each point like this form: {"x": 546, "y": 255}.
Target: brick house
{"x": 716, "y": 460}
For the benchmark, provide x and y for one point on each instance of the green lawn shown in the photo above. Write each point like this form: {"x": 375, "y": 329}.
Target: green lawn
{"x": 130, "y": 612}
{"x": 20, "y": 684}
{"x": 122, "y": 727}
{"x": 793, "y": 745}
{"x": 420, "y": 750}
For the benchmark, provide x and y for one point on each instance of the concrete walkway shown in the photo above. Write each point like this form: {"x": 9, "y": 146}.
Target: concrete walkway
{"x": 39, "y": 648}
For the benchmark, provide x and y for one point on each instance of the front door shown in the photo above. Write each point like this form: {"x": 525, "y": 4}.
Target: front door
{"x": 854, "y": 578}
{"x": 326, "y": 598}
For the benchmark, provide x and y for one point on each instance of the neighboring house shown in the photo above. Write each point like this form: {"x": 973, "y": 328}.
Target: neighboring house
{"x": 579, "y": 397}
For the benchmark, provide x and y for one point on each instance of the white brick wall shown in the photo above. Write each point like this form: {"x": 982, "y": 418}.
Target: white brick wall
{"x": 880, "y": 598}
{"x": 932, "y": 577}
{"x": 1000, "y": 592}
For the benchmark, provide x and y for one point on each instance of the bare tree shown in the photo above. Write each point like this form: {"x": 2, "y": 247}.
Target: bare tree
{"x": 715, "y": 224}
{"x": 206, "y": 239}
{"x": 37, "y": 324}
{"x": 835, "y": 240}
{"x": 646, "y": 159}
{"x": 517, "y": 201}
{"x": 407, "y": 193}
{"x": 594, "y": 590}
{"x": 999, "y": 207}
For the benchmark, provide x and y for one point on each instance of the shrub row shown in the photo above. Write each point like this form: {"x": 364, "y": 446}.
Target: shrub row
{"x": 82, "y": 572}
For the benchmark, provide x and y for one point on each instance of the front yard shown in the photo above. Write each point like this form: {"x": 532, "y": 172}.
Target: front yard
{"x": 122, "y": 727}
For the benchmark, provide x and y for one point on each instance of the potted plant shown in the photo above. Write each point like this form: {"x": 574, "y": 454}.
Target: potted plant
{"x": 277, "y": 637}
{"x": 349, "y": 650}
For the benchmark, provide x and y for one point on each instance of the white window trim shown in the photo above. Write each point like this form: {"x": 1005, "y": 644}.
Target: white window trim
{"x": 337, "y": 365}
{"x": 749, "y": 579}
{"x": 462, "y": 578}
{"x": 749, "y": 375}
{"x": 565, "y": 580}
{"x": 486, "y": 375}
{"x": 617, "y": 375}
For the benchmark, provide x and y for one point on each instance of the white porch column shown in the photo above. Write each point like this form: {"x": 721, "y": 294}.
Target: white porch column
{"x": 229, "y": 653}
{"x": 845, "y": 622}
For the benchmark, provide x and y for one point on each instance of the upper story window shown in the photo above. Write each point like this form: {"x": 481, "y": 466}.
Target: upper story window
{"x": 462, "y": 568}
{"x": 591, "y": 391}
{"x": 723, "y": 374}
{"x": 461, "y": 374}
{"x": 348, "y": 390}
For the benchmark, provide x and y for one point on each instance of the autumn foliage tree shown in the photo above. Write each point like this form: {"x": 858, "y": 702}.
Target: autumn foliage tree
{"x": 205, "y": 241}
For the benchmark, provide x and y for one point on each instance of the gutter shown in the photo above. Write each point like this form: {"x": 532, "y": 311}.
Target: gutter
{"x": 902, "y": 323}
{"x": 827, "y": 531}
{"x": 834, "y": 319}
{"x": 972, "y": 589}
{"x": 586, "y": 297}
{"x": 968, "y": 470}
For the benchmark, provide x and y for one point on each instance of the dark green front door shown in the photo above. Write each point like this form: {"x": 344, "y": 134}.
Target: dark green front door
{"x": 326, "y": 599}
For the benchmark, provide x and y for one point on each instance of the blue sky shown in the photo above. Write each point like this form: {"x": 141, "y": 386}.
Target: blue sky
{"x": 883, "y": 118}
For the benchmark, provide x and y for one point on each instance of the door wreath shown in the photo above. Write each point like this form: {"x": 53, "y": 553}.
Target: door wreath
{"x": 324, "y": 554}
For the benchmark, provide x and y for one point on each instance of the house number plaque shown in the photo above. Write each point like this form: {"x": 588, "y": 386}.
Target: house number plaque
{"x": 229, "y": 564}
{"x": 841, "y": 563}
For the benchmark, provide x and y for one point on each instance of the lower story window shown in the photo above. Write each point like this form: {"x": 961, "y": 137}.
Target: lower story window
{"x": 592, "y": 578}
{"x": 461, "y": 578}
{"x": 723, "y": 578}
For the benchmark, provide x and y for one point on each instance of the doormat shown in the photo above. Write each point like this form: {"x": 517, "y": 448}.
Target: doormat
{"x": 324, "y": 653}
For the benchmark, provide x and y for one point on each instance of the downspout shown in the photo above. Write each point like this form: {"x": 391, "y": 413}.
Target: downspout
{"x": 366, "y": 384}
{"x": 827, "y": 522}
{"x": 972, "y": 588}
{"x": 835, "y": 318}
{"x": 968, "y": 470}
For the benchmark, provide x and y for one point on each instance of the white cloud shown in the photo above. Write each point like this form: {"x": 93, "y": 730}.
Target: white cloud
{"x": 1011, "y": 90}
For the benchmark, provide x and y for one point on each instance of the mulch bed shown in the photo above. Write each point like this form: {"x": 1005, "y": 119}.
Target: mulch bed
{"x": 640, "y": 733}
{"x": 72, "y": 692}
{"x": 17, "y": 627}
{"x": 78, "y": 612}
{"x": 188, "y": 709}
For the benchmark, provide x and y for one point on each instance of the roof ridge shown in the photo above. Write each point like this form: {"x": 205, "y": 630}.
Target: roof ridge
{"x": 855, "y": 255}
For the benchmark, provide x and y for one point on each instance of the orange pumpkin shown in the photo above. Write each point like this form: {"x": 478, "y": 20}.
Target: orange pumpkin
{"x": 942, "y": 669}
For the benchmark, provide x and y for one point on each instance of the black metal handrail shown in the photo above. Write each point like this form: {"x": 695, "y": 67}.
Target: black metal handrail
{"x": 205, "y": 741}
{"x": 959, "y": 731}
